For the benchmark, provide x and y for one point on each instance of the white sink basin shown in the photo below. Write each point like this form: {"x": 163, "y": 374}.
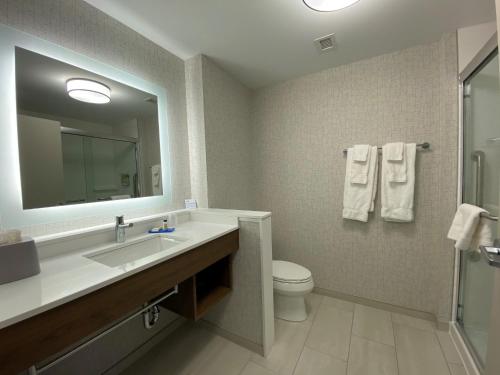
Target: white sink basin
{"x": 126, "y": 253}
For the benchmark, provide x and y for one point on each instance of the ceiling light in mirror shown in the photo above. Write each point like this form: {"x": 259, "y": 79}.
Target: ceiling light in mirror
{"x": 329, "y": 5}
{"x": 88, "y": 91}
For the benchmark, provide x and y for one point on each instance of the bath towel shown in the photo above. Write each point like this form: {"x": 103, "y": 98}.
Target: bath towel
{"x": 469, "y": 230}
{"x": 359, "y": 198}
{"x": 360, "y": 164}
{"x": 397, "y": 197}
{"x": 394, "y": 154}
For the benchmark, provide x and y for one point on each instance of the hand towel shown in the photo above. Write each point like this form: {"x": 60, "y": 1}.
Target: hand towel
{"x": 397, "y": 197}
{"x": 394, "y": 154}
{"x": 469, "y": 230}
{"x": 360, "y": 153}
{"x": 360, "y": 164}
{"x": 394, "y": 151}
{"x": 358, "y": 198}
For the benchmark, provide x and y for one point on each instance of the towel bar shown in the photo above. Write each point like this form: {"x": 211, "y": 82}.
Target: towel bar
{"x": 486, "y": 215}
{"x": 421, "y": 146}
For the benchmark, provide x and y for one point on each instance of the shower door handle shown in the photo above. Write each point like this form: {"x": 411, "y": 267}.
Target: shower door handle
{"x": 478, "y": 158}
{"x": 493, "y": 259}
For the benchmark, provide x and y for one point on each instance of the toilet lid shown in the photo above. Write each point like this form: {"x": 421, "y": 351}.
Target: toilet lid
{"x": 288, "y": 271}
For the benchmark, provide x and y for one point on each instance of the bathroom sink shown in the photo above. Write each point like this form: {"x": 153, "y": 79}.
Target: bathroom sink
{"x": 126, "y": 253}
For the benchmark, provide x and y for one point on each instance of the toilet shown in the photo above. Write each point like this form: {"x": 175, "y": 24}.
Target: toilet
{"x": 292, "y": 282}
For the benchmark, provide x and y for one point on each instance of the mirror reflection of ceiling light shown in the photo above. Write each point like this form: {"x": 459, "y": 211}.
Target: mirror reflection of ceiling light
{"x": 329, "y": 5}
{"x": 88, "y": 91}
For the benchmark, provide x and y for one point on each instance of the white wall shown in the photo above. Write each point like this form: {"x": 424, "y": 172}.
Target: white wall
{"x": 470, "y": 41}
{"x": 300, "y": 128}
{"x": 220, "y": 136}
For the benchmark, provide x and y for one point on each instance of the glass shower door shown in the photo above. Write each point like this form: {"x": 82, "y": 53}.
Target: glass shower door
{"x": 481, "y": 177}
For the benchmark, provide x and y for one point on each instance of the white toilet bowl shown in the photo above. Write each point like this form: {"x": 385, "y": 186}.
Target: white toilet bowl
{"x": 292, "y": 283}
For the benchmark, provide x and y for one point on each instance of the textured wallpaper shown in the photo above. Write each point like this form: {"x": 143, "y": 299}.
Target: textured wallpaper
{"x": 196, "y": 130}
{"x": 300, "y": 128}
{"x": 228, "y": 139}
{"x": 241, "y": 312}
{"x": 82, "y": 28}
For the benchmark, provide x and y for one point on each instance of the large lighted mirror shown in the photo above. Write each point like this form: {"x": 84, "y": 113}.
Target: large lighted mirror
{"x": 83, "y": 137}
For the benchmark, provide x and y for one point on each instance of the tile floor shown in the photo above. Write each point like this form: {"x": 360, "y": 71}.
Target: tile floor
{"x": 339, "y": 337}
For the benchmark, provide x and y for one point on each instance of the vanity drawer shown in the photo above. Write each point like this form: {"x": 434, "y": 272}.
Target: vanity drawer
{"x": 39, "y": 337}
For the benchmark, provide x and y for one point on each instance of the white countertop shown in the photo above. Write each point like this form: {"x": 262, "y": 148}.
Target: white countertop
{"x": 66, "y": 277}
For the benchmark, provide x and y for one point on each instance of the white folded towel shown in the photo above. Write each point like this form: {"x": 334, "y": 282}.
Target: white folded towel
{"x": 394, "y": 151}
{"x": 359, "y": 172}
{"x": 360, "y": 153}
{"x": 469, "y": 230}
{"x": 359, "y": 199}
{"x": 394, "y": 154}
{"x": 397, "y": 197}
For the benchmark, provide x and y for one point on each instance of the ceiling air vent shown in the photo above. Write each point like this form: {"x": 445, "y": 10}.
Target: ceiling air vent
{"x": 325, "y": 43}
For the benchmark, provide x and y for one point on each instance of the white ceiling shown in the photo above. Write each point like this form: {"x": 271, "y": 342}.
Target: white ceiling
{"x": 265, "y": 41}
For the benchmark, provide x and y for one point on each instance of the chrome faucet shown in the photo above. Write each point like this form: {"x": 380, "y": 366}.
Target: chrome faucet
{"x": 120, "y": 227}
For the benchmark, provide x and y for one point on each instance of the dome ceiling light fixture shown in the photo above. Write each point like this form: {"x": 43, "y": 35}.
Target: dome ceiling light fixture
{"x": 329, "y": 5}
{"x": 89, "y": 91}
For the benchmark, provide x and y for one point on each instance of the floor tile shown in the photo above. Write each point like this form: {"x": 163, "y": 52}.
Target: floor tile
{"x": 331, "y": 331}
{"x": 179, "y": 354}
{"x": 449, "y": 349}
{"x": 313, "y": 301}
{"x": 289, "y": 341}
{"x": 338, "y": 304}
{"x": 418, "y": 352}
{"x": 192, "y": 350}
{"x": 254, "y": 369}
{"x": 371, "y": 358}
{"x": 410, "y": 321}
{"x": 457, "y": 369}
{"x": 373, "y": 324}
{"x": 312, "y": 362}
{"x": 227, "y": 359}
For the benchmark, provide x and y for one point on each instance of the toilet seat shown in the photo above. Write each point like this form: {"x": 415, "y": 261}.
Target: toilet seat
{"x": 290, "y": 273}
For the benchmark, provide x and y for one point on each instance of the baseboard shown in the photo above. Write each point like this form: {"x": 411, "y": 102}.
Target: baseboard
{"x": 382, "y": 306}
{"x": 135, "y": 355}
{"x": 463, "y": 351}
{"x": 238, "y": 340}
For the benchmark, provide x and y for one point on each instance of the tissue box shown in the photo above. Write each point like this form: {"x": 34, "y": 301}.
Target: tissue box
{"x": 18, "y": 260}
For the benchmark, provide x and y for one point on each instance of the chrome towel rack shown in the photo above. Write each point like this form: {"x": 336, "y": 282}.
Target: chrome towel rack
{"x": 486, "y": 215}
{"x": 420, "y": 146}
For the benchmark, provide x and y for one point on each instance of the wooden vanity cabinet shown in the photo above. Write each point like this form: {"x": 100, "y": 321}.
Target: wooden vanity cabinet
{"x": 201, "y": 291}
{"x": 32, "y": 340}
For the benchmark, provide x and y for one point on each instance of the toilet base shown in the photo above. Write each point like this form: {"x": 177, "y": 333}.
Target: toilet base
{"x": 291, "y": 308}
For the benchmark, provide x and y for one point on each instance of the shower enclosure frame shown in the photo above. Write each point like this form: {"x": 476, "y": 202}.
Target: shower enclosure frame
{"x": 458, "y": 335}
